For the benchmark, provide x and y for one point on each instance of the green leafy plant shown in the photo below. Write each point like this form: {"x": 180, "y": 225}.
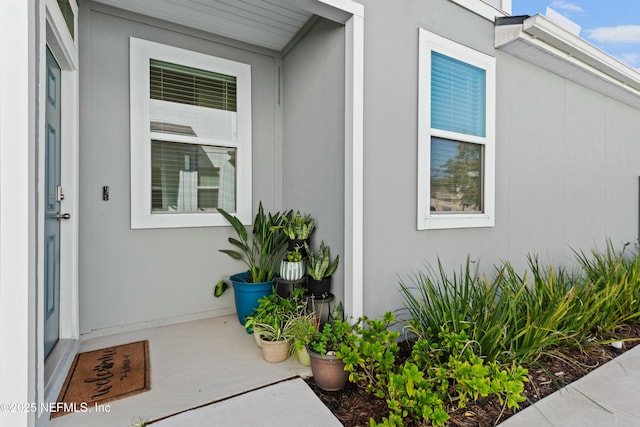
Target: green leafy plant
{"x": 319, "y": 265}
{"x": 303, "y": 328}
{"x": 273, "y": 309}
{"x": 297, "y": 226}
{"x": 613, "y": 281}
{"x": 512, "y": 317}
{"x": 294, "y": 255}
{"x": 373, "y": 353}
{"x": 263, "y": 249}
{"x": 333, "y": 337}
{"x": 220, "y": 287}
{"x": 439, "y": 373}
{"x": 518, "y": 317}
{"x": 280, "y": 330}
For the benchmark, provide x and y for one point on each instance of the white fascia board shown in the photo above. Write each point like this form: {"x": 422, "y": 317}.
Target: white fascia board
{"x": 589, "y": 66}
{"x": 335, "y": 10}
{"x": 543, "y": 29}
{"x": 485, "y": 10}
{"x": 506, "y": 7}
{"x": 348, "y": 6}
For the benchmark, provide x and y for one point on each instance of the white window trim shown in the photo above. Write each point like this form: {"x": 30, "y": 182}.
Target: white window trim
{"x": 429, "y": 42}
{"x": 141, "y": 217}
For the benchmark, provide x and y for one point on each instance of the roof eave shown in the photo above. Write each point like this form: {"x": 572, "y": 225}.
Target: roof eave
{"x": 569, "y": 56}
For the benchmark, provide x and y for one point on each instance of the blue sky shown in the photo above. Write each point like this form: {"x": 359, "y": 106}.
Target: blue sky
{"x": 611, "y": 25}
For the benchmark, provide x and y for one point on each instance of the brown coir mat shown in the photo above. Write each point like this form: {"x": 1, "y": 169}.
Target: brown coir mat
{"x": 101, "y": 376}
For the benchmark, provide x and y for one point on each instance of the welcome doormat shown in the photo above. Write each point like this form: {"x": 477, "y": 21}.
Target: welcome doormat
{"x": 101, "y": 376}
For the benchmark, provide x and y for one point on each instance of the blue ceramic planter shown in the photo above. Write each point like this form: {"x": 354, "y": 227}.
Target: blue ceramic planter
{"x": 247, "y": 294}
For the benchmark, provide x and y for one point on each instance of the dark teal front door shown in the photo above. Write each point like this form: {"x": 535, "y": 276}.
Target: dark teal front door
{"x": 53, "y": 196}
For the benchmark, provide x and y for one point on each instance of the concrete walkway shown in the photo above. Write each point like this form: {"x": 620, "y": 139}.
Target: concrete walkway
{"x": 288, "y": 403}
{"x": 606, "y": 397}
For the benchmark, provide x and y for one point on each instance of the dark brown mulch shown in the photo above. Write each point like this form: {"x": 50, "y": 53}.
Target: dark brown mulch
{"x": 354, "y": 406}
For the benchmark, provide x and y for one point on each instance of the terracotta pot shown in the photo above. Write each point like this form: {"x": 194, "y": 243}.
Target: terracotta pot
{"x": 275, "y": 351}
{"x": 328, "y": 371}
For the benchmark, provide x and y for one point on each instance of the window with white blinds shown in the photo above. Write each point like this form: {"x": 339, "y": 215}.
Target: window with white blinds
{"x": 191, "y": 134}
{"x": 186, "y": 85}
{"x": 191, "y": 178}
{"x": 457, "y": 96}
{"x": 456, "y": 135}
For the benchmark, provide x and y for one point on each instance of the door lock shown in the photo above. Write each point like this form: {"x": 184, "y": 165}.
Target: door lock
{"x": 59, "y": 195}
{"x": 63, "y": 216}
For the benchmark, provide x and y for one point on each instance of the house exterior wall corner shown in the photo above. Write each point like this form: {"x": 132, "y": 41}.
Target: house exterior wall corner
{"x": 17, "y": 227}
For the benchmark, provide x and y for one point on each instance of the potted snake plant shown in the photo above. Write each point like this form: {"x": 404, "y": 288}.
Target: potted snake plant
{"x": 298, "y": 229}
{"x": 320, "y": 269}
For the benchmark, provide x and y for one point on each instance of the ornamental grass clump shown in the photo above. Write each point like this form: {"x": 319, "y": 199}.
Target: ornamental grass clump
{"x": 520, "y": 317}
{"x": 542, "y": 309}
{"x": 613, "y": 280}
{"x": 512, "y": 317}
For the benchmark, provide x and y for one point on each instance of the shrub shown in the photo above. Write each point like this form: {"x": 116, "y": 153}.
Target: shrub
{"x": 445, "y": 369}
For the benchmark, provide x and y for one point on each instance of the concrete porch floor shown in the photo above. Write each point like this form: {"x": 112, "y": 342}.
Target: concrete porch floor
{"x": 193, "y": 364}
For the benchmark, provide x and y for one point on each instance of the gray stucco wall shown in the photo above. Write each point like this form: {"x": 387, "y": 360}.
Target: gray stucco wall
{"x": 130, "y": 276}
{"x": 567, "y": 158}
{"x": 313, "y": 176}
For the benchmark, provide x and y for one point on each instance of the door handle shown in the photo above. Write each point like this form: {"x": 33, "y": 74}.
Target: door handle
{"x": 63, "y": 216}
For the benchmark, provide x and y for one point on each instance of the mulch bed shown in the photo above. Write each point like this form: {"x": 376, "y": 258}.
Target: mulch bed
{"x": 353, "y": 406}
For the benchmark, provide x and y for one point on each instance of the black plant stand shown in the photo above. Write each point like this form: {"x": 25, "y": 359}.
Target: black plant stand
{"x": 285, "y": 288}
{"x": 321, "y": 305}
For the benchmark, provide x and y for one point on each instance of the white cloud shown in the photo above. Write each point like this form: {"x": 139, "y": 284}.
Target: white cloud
{"x": 619, "y": 34}
{"x": 562, "y": 5}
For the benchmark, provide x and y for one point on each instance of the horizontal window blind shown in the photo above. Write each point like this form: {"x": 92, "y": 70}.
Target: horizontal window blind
{"x": 192, "y": 86}
{"x": 191, "y": 177}
{"x": 457, "y": 96}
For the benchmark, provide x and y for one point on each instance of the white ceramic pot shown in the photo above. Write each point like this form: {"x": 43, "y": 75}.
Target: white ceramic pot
{"x": 292, "y": 270}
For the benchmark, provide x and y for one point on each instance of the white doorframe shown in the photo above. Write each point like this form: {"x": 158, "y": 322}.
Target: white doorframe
{"x": 65, "y": 49}
{"x": 54, "y": 34}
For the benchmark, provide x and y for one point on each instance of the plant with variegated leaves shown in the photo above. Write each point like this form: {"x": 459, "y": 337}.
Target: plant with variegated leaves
{"x": 319, "y": 265}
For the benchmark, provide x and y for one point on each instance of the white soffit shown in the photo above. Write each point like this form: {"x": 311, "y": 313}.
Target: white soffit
{"x": 267, "y": 23}
{"x": 543, "y": 43}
